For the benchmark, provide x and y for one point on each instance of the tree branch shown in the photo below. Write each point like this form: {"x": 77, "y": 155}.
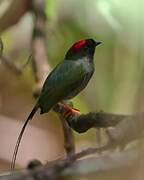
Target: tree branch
{"x": 126, "y": 128}
{"x": 70, "y": 168}
{"x": 12, "y": 15}
{"x": 68, "y": 137}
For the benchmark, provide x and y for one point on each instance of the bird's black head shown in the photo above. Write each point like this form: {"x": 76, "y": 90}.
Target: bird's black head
{"x": 82, "y": 48}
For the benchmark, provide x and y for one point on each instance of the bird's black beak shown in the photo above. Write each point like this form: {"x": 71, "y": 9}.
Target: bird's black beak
{"x": 97, "y": 43}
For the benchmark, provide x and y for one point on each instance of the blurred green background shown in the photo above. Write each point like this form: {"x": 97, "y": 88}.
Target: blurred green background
{"x": 117, "y": 85}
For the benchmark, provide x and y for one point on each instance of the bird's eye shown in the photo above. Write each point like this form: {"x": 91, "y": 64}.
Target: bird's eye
{"x": 85, "y": 47}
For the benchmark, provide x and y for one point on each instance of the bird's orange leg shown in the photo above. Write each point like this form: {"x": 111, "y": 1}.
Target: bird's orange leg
{"x": 70, "y": 110}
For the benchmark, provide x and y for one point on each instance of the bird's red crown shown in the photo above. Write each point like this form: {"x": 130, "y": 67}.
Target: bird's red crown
{"x": 79, "y": 44}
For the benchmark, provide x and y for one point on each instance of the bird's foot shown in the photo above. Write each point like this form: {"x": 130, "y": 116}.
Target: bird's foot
{"x": 69, "y": 110}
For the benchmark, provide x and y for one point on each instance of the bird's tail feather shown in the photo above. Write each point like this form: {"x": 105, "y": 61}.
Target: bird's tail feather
{"x": 21, "y": 134}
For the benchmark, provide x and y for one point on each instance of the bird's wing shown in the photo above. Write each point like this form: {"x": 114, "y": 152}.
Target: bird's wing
{"x": 59, "y": 83}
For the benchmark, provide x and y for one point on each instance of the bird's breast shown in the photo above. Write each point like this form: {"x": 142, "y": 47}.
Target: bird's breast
{"x": 79, "y": 85}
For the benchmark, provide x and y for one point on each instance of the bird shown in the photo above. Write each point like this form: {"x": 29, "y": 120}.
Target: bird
{"x": 64, "y": 82}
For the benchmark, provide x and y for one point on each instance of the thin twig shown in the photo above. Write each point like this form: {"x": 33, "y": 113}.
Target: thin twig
{"x": 40, "y": 66}
{"x": 1, "y": 47}
{"x": 10, "y": 65}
